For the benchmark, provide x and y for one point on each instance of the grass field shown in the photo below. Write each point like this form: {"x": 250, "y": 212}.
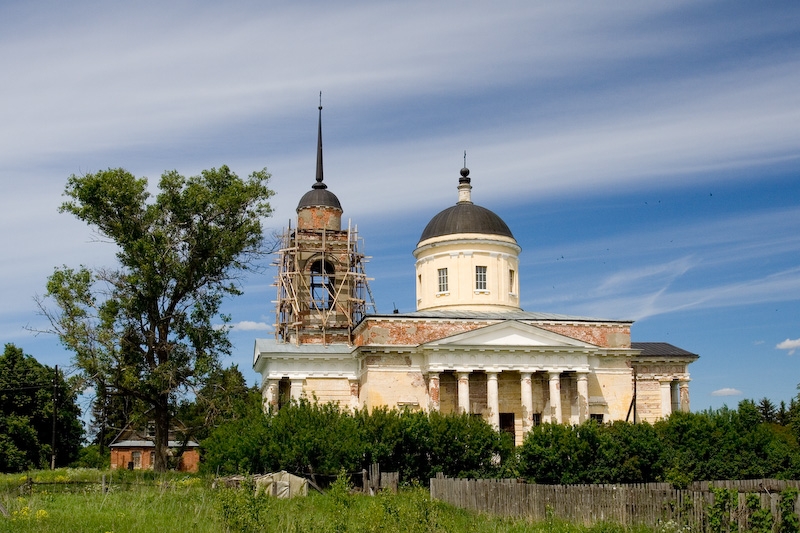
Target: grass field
{"x": 72, "y": 500}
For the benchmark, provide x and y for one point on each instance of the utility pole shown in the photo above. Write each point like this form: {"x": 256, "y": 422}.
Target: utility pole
{"x": 55, "y": 411}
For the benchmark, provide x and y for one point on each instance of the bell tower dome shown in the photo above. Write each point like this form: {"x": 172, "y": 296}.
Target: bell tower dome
{"x": 467, "y": 258}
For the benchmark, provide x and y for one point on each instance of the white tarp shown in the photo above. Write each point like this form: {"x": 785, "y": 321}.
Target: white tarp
{"x": 281, "y": 485}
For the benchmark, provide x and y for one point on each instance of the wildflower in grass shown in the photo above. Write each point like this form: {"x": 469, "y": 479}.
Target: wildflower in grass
{"x": 41, "y": 514}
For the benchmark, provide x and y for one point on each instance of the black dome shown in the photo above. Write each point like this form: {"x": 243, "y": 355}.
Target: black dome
{"x": 465, "y": 218}
{"x": 319, "y": 197}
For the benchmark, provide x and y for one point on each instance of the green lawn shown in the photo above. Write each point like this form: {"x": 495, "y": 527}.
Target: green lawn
{"x": 145, "y": 502}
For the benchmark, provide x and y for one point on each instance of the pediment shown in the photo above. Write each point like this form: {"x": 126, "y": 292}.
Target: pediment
{"x": 509, "y": 333}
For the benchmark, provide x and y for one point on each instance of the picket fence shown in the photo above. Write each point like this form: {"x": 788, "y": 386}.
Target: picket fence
{"x": 648, "y": 504}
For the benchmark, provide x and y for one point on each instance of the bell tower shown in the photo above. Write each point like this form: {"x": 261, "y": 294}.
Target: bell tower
{"x": 321, "y": 280}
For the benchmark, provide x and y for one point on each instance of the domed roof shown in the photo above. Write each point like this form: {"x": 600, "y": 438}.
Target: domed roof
{"x": 465, "y": 217}
{"x": 319, "y": 197}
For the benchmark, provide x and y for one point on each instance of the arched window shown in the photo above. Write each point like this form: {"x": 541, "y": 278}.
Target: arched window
{"x": 322, "y": 291}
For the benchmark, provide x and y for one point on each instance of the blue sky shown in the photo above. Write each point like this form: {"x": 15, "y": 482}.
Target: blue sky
{"x": 646, "y": 155}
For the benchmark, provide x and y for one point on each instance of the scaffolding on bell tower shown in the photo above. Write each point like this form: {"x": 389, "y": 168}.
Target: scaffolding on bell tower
{"x": 323, "y": 289}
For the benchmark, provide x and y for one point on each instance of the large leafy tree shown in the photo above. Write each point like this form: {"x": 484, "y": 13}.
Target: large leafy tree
{"x": 146, "y": 328}
{"x": 26, "y": 414}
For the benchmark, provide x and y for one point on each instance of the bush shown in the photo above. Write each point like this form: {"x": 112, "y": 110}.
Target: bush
{"x": 321, "y": 439}
{"x": 92, "y": 456}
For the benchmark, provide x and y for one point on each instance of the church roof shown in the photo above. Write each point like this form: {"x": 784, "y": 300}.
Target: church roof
{"x": 661, "y": 349}
{"x": 462, "y": 314}
{"x": 319, "y": 198}
{"x": 465, "y": 218}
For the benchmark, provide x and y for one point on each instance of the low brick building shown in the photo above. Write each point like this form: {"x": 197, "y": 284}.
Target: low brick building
{"x": 134, "y": 449}
{"x": 469, "y": 347}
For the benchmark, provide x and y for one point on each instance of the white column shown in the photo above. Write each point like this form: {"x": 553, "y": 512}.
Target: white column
{"x": 675, "y": 397}
{"x": 493, "y": 399}
{"x": 583, "y": 396}
{"x": 354, "y": 394}
{"x": 296, "y": 389}
{"x": 666, "y": 398}
{"x": 434, "y": 391}
{"x": 684, "y": 394}
{"x": 555, "y": 396}
{"x": 526, "y": 394}
{"x": 463, "y": 392}
{"x": 270, "y": 395}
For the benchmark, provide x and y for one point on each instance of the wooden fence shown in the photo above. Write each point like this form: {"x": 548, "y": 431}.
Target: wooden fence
{"x": 647, "y": 504}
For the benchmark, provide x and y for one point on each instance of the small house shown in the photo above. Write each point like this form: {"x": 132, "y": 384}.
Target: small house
{"x": 134, "y": 449}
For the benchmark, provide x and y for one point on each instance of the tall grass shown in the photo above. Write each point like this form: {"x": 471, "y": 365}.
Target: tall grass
{"x": 71, "y": 500}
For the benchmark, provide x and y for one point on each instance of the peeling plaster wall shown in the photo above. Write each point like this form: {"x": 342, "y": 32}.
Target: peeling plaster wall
{"x": 325, "y": 390}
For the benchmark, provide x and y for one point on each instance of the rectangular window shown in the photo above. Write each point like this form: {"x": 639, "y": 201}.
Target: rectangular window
{"x": 511, "y": 288}
{"x": 507, "y": 424}
{"x": 136, "y": 459}
{"x": 480, "y": 278}
{"x": 596, "y": 417}
{"x": 442, "y": 280}
{"x": 536, "y": 419}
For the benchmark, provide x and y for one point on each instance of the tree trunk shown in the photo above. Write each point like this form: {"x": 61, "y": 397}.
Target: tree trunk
{"x": 162, "y": 422}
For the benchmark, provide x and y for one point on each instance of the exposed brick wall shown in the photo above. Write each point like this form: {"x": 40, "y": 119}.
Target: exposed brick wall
{"x": 319, "y": 217}
{"x": 605, "y": 335}
{"x": 415, "y": 332}
{"x": 412, "y": 332}
{"x": 120, "y": 457}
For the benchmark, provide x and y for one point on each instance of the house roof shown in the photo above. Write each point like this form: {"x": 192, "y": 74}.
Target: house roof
{"x": 151, "y": 444}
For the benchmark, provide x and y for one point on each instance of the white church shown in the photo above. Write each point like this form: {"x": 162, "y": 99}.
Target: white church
{"x": 469, "y": 347}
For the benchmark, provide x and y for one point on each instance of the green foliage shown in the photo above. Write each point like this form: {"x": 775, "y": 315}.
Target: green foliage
{"x": 721, "y": 444}
{"x": 790, "y": 523}
{"x": 224, "y": 396}
{"x": 92, "y": 456}
{"x": 321, "y": 439}
{"x": 760, "y": 518}
{"x": 719, "y": 511}
{"x": 147, "y": 329}
{"x": 591, "y": 453}
{"x": 26, "y": 414}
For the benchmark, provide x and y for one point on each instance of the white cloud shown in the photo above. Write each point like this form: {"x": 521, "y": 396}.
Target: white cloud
{"x": 726, "y": 392}
{"x": 789, "y": 344}
{"x": 249, "y": 325}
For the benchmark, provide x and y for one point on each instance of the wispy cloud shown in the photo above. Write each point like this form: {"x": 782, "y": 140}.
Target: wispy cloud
{"x": 789, "y": 344}
{"x": 727, "y": 392}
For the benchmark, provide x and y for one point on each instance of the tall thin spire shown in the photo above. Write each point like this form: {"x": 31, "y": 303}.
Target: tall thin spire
{"x": 319, "y": 184}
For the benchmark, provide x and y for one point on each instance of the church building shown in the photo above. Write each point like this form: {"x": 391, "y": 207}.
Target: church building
{"x": 469, "y": 347}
